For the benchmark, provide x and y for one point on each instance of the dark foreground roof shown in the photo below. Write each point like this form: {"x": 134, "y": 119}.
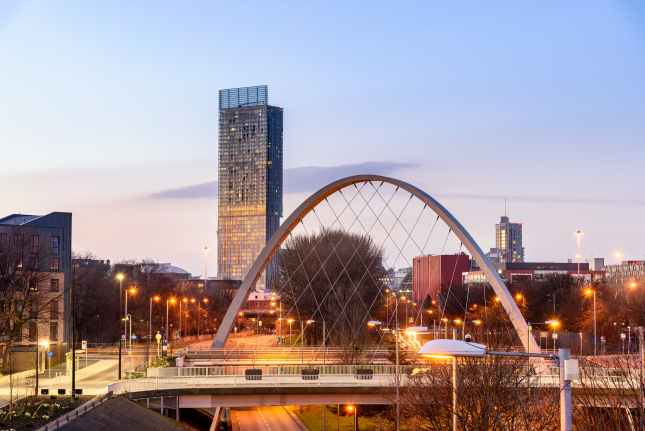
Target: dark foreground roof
{"x": 121, "y": 414}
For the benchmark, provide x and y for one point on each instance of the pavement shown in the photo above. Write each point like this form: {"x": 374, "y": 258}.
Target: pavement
{"x": 264, "y": 419}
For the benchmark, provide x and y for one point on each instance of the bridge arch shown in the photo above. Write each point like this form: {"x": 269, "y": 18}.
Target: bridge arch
{"x": 267, "y": 253}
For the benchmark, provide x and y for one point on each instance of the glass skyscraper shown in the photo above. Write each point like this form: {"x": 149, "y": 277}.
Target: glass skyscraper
{"x": 250, "y": 179}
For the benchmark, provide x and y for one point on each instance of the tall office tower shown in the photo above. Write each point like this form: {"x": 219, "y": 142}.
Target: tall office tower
{"x": 250, "y": 180}
{"x": 508, "y": 240}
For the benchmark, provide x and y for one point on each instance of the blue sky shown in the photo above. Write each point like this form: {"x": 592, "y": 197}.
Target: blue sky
{"x": 109, "y": 102}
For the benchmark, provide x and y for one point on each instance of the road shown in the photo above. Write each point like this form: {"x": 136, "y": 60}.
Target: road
{"x": 263, "y": 419}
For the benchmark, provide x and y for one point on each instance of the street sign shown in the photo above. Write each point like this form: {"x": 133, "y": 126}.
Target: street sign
{"x": 84, "y": 345}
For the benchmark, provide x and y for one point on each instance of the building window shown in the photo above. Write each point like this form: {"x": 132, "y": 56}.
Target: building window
{"x": 53, "y": 310}
{"x": 56, "y": 245}
{"x": 53, "y": 331}
{"x": 54, "y": 285}
{"x": 33, "y": 284}
{"x": 54, "y": 264}
{"x": 35, "y": 243}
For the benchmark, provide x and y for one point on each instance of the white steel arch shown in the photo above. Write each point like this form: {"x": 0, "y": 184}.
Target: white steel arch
{"x": 263, "y": 259}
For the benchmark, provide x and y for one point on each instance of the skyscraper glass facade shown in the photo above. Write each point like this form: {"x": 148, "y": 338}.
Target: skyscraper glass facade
{"x": 508, "y": 241}
{"x": 250, "y": 179}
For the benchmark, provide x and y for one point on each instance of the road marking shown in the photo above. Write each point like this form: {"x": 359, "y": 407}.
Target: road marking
{"x": 266, "y": 423}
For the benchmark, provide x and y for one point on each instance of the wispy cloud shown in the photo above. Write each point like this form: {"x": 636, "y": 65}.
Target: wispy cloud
{"x": 296, "y": 180}
{"x": 579, "y": 200}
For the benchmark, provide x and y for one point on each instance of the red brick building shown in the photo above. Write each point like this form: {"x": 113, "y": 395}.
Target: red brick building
{"x": 430, "y": 274}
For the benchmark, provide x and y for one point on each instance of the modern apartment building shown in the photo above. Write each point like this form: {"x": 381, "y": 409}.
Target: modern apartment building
{"x": 508, "y": 241}
{"x": 41, "y": 247}
{"x": 250, "y": 179}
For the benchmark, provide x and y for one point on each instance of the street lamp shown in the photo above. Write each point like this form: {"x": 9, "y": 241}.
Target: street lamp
{"x": 130, "y": 291}
{"x": 155, "y": 298}
{"x": 353, "y": 409}
{"x": 199, "y": 315}
{"x": 289, "y": 322}
{"x": 451, "y": 349}
{"x": 120, "y": 277}
{"x": 588, "y": 291}
{"x": 181, "y": 316}
{"x": 172, "y": 301}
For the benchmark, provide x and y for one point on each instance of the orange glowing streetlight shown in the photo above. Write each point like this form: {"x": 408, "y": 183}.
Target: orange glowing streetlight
{"x": 519, "y": 296}
{"x": 290, "y": 322}
{"x": 169, "y": 301}
{"x": 353, "y": 410}
{"x": 553, "y": 323}
{"x": 590, "y": 292}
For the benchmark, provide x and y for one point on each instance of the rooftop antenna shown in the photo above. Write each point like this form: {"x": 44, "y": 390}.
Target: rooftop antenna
{"x": 505, "y": 214}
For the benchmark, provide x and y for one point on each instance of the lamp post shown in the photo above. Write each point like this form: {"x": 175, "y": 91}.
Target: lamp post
{"x": 199, "y": 315}
{"x": 181, "y": 316}
{"x": 132, "y": 291}
{"x": 168, "y": 301}
{"x": 451, "y": 349}
{"x": 155, "y": 298}
{"x": 622, "y": 339}
{"x": 289, "y": 321}
{"x": 592, "y": 292}
{"x": 353, "y": 409}
{"x": 120, "y": 277}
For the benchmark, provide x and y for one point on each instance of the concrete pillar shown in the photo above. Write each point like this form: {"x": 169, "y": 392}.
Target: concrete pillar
{"x": 566, "y": 405}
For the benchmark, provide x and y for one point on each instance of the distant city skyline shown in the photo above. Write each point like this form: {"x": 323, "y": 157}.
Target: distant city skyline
{"x": 110, "y": 107}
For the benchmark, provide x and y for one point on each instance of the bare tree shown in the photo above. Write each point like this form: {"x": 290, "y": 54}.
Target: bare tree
{"x": 332, "y": 276}
{"x": 24, "y": 296}
{"x": 25, "y": 299}
{"x": 606, "y": 396}
{"x": 493, "y": 393}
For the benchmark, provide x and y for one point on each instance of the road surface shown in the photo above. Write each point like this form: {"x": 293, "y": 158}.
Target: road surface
{"x": 263, "y": 419}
